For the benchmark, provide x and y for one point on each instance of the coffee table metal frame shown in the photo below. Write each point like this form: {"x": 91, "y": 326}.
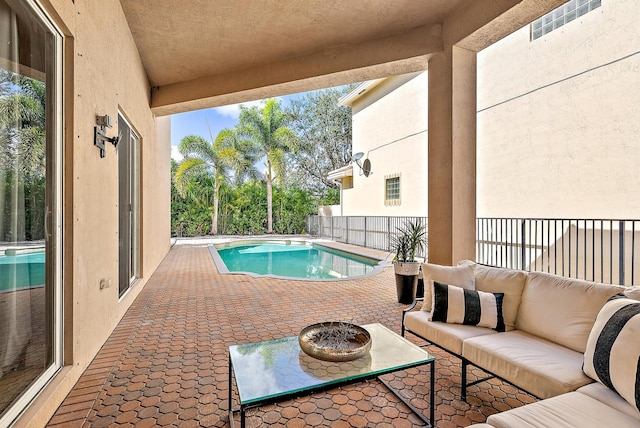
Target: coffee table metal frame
{"x": 338, "y": 382}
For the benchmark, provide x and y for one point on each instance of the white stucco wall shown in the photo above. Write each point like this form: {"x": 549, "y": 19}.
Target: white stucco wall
{"x": 390, "y": 127}
{"x": 559, "y": 119}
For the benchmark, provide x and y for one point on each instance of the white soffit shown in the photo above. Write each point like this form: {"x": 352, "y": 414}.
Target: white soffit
{"x": 359, "y": 91}
{"x": 337, "y": 174}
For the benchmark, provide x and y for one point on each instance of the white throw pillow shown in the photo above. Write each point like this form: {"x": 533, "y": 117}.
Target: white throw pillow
{"x": 457, "y": 305}
{"x": 460, "y": 276}
{"x": 612, "y": 356}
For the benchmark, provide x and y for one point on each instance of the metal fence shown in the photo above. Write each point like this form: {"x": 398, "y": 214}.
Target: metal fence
{"x": 375, "y": 232}
{"x": 602, "y": 250}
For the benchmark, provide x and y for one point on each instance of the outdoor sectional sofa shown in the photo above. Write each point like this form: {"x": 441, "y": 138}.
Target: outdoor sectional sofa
{"x": 552, "y": 331}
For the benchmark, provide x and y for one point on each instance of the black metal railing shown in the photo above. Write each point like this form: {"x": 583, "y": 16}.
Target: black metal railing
{"x": 602, "y": 250}
{"x": 375, "y": 232}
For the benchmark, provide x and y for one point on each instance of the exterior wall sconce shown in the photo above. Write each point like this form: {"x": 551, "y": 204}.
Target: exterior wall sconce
{"x": 100, "y": 134}
{"x": 365, "y": 167}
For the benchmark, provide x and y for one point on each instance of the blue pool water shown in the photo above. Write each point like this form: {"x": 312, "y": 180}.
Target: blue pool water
{"x": 21, "y": 271}
{"x": 294, "y": 261}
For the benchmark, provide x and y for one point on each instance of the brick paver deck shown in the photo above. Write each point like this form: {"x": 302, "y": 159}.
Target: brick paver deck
{"x": 166, "y": 362}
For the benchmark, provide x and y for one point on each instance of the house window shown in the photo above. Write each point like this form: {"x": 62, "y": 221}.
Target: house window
{"x": 392, "y": 189}
{"x": 562, "y": 15}
{"x": 31, "y": 201}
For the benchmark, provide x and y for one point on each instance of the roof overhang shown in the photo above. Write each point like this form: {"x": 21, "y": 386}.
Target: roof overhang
{"x": 359, "y": 91}
{"x": 208, "y": 53}
{"x": 340, "y": 173}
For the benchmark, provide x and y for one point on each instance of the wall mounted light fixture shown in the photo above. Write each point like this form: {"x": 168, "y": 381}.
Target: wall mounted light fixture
{"x": 100, "y": 134}
{"x": 365, "y": 166}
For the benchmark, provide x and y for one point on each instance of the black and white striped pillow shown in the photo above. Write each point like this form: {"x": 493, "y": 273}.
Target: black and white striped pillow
{"x": 457, "y": 305}
{"x": 612, "y": 356}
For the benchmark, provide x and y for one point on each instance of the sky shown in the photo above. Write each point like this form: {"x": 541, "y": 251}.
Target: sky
{"x": 218, "y": 118}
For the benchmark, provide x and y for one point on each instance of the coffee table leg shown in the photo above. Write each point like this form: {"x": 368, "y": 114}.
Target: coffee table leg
{"x": 242, "y": 414}
{"x": 432, "y": 394}
{"x": 230, "y": 386}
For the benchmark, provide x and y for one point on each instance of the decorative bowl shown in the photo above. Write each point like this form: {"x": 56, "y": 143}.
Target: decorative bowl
{"x": 335, "y": 341}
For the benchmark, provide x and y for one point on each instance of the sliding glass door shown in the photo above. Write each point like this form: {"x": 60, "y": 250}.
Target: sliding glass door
{"x": 129, "y": 204}
{"x": 30, "y": 204}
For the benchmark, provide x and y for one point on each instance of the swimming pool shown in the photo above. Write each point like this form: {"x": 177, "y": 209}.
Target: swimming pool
{"x": 291, "y": 259}
{"x": 22, "y": 271}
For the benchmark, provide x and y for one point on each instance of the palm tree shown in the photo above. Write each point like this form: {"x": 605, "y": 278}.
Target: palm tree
{"x": 22, "y": 123}
{"x": 267, "y": 129}
{"x": 243, "y": 165}
{"x": 22, "y": 155}
{"x": 217, "y": 159}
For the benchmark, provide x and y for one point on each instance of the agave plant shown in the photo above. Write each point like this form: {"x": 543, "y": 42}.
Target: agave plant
{"x": 412, "y": 240}
{"x": 401, "y": 246}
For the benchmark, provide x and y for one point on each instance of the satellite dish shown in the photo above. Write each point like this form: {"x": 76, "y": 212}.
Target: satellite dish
{"x": 356, "y": 157}
{"x": 366, "y": 167}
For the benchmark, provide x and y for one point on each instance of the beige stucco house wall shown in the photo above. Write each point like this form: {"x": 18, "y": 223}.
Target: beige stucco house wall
{"x": 390, "y": 128}
{"x": 557, "y": 125}
{"x": 558, "y": 119}
{"x": 103, "y": 74}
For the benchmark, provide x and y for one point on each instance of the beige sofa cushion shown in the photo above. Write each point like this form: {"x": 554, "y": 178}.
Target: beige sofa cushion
{"x": 543, "y": 368}
{"x": 448, "y": 336}
{"x": 572, "y": 410}
{"x": 562, "y": 310}
{"x": 499, "y": 280}
{"x": 610, "y": 398}
{"x": 460, "y": 276}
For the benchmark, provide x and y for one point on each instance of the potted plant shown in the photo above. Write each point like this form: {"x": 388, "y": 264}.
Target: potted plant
{"x": 410, "y": 241}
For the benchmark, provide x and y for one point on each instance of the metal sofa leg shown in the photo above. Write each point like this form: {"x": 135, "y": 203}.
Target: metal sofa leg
{"x": 463, "y": 380}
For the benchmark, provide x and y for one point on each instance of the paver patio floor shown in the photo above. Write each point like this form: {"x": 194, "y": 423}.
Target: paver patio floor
{"x": 166, "y": 362}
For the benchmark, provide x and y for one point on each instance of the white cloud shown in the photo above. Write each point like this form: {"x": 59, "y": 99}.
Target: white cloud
{"x": 175, "y": 154}
{"x": 233, "y": 110}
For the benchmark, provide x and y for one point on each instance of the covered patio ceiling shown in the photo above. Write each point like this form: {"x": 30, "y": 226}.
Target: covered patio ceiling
{"x": 206, "y": 53}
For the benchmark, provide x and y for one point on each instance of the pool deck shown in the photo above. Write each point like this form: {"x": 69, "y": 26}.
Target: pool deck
{"x": 166, "y": 362}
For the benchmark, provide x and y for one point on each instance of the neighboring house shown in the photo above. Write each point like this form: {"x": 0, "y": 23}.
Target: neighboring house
{"x": 390, "y": 129}
{"x": 557, "y": 137}
{"x": 559, "y": 116}
{"x": 557, "y": 124}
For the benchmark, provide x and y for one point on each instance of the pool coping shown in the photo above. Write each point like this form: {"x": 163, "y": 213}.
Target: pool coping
{"x": 14, "y": 250}
{"x": 223, "y": 270}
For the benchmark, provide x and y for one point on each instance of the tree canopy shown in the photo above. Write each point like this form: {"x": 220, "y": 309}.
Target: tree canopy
{"x": 298, "y": 145}
{"x": 324, "y": 129}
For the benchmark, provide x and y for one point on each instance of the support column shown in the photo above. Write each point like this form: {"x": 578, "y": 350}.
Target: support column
{"x": 452, "y": 156}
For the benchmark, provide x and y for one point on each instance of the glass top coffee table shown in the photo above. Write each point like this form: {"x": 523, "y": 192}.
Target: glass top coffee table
{"x": 277, "y": 370}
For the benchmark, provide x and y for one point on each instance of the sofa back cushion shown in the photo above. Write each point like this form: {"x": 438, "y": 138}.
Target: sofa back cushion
{"x": 499, "y": 280}
{"x": 560, "y": 309}
{"x": 613, "y": 350}
{"x": 460, "y": 276}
